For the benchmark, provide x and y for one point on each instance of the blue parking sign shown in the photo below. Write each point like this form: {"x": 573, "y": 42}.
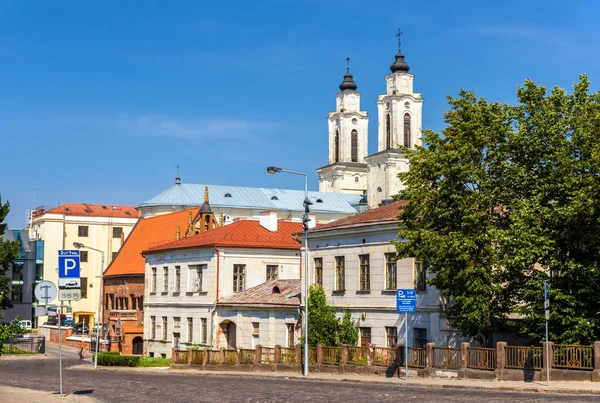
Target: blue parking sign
{"x": 406, "y": 300}
{"x": 68, "y": 264}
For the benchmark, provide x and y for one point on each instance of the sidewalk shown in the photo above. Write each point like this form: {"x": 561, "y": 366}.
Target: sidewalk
{"x": 572, "y": 387}
{"x": 10, "y": 394}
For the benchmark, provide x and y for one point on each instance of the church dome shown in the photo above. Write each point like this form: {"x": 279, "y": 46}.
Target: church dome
{"x": 399, "y": 63}
{"x": 348, "y": 83}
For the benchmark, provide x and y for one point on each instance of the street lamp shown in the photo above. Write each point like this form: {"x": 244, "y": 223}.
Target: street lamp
{"x": 79, "y": 245}
{"x": 305, "y": 221}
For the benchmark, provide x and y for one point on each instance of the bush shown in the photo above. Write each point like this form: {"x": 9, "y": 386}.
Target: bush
{"x": 154, "y": 362}
{"x": 112, "y": 359}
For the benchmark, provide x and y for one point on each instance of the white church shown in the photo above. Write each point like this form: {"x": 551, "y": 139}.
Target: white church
{"x": 399, "y": 111}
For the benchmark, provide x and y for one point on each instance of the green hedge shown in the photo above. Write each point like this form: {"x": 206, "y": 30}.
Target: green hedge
{"x": 116, "y": 360}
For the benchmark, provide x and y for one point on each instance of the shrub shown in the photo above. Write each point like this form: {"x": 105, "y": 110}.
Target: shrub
{"x": 109, "y": 359}
{"x": 154, "y": 362}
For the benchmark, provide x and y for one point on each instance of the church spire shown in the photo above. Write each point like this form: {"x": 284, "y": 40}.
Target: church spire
{"x": 399, "y": 63}
{"x": 348, "y": 83}
{"x": 177, "y": 178}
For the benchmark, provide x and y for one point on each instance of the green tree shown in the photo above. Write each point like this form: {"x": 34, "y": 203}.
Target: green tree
{"x": 504, "y": 198}
{"x": 325, "y": 328}
{"x": 347, "y": 329}
{"x": 9, "y": 251}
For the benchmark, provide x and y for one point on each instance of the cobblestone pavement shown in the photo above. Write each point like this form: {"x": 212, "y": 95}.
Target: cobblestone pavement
{"x": 138, "y": 386}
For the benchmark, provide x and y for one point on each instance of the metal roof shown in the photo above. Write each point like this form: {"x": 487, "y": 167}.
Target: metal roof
{"x": 187, "y": 194}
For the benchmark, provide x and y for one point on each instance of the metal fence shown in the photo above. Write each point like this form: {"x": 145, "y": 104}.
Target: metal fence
{"x": 267, "y": 355}
{"x": 288, "y": 355}
{"x": 181, "y": 356}
{"x": 312, "y": 355}
{"x": 446, "y": 358}
{"x": 417, "y": 357}
{"x": 230, "y": 357}
{"x": 197, "y": 356}
{"x": 384, "y": 356}
{"x": 358, "y": 355}
{"x": 247, "y": 356}
{"x": 25, "y": 345}
{"x": 573, "y": 357}
{"x": 522, "y": 357}
{"x": 332, "y": 355}
{"x": 481, "y": 358}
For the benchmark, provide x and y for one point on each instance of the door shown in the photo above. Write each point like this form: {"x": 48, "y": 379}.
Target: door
{"x": 137, "y": 345}
{"x": 231, "y": 344}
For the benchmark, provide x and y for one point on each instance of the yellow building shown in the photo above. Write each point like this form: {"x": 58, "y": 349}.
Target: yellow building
{"x": 101, "y": 228}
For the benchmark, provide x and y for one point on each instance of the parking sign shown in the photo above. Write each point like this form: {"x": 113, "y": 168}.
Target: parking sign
{"x": 68, "y": 264}
{"x": 406, "y": 300}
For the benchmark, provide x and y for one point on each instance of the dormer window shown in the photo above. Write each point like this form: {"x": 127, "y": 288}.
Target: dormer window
{"x": 319, "y": 201}
{"x": 227, "y": 194}
{"x": 274, "y": 198}
{"x": 103, "y": 207}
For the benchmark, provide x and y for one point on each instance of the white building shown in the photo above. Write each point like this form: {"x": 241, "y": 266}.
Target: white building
{"x": 103, "y": 227}
{"x": 399, "y": 111}
{"x": 185, "y": 279}
{"x": 353, "y": 259}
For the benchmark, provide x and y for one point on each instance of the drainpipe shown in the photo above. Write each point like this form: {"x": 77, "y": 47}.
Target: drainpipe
{"x": 212, "y": 313}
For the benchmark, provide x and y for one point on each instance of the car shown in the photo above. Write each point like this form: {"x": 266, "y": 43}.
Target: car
{"x": 81, "y": 328}
{"x": 72, "y": 284}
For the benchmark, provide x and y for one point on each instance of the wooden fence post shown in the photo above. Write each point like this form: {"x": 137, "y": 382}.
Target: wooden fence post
{"x": 319, "y": 354}
{"x": 500, "y": 359}
{"x": 277, "y": 354}
{"x": 371, "y": 355}
{"x": 464, "y": 359}
{"x": 596, "y": 371}
{"x": 257, "y": 354}
{"x": 298, "y": 354}
{"x": 344, "y": 355}
{"x": 222, "y": 355}
{"x": 190, "y": 356}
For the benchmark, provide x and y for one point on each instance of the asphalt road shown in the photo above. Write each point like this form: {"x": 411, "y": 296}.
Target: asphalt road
{"x": 124, "y": 386}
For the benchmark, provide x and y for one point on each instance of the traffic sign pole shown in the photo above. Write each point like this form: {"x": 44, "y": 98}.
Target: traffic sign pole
{"x": 547, "y": 313}
{"x": 406, "y": 302}
{"x": 406, "y": 346}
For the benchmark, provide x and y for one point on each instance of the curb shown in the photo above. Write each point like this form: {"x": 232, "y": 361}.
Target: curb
{"x": 375, "y": 381}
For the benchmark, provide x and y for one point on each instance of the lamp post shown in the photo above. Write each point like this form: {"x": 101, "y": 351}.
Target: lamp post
{"x": 99, "y": 319}
{"x": 305, "y": 221}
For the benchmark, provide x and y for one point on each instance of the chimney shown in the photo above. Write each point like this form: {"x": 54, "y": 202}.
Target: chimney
{"x": 313, "y": 220}
{"x": 268, "y": 219}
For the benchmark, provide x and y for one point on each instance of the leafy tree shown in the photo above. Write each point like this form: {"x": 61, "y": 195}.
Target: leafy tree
{"x": 347, "y": 329}
{"x": 9, "y": 251}
{"x": 505, "y": 198}
{"x": 7, "y": 332}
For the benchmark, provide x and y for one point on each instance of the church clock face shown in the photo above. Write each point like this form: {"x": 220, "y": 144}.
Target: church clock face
{"x": 354, "y": 121}
{"x": 407, "y": 105}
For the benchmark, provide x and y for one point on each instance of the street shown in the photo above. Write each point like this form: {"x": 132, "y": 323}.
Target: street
{"x": 109, "y": 385}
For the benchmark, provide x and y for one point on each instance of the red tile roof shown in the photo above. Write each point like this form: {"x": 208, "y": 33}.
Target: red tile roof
{"x": 147, "y": 233}
{"x": 275, "y": 293}
{"x": 387, "y": 213}
{"x": 241, "y": 234}
{"x": 93, "y": 210}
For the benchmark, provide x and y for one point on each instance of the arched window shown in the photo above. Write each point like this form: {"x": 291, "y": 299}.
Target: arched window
{"x": 356, "y": 179}
{"x": 406, "y": 130}
{"x": 354, "y": 145}
{"x": 388, "y": 132}
{"x": 336, "y": 156}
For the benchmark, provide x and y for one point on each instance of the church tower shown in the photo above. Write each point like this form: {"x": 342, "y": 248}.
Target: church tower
{"x": 346, "y": 171}
{"x": 399, "y": 131}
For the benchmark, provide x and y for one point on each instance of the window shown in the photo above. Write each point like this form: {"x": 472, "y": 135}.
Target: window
{"x": 164, "y": 328}
{"x": 198, "y": 272}
{"x": 177, "y": 279}
{"x": 239, "y": 277}
{"x": 406, "y": 130}
{"x": 83, "y": 256}
{"x": 141, "y": 303}
{"x": 114, "y": 255}
{"x": 106, "y": 301}
{"x": 153, "y": 280}
{"x": 391, "y": 336}
{"x": 117, "y": 231}
{"x": 176, "y": 322}
{"x": 17, "y": 271}
{"x": 83, "y": 231}
{"x": 39, "y": 272}
{"x": 190, "y": 329}
{"x": 319, "y": 271}
{"x": 152, "y": 327}
{"x": 165, "y": 279}
{"x": 272, "y": 272}
{"x": 336, "y": 155}
{"x": 255, "y": 329}
{"x": 354, "y": 146}
{"x": 365, "y": 273}
{"x": 420, "y": 276}
{"x": 388, "y": 132}
{"x": 204, "y": 330}
{"x": 133, "y": 301}
{"x": 390, "y": 271}
{"x": 176, "y": 338}
{"x": 17, "y": 294}
{"x": 290, "y": 334}
{"x": 84, "y": 286}
{"x": 340, "y": 274}
{"x": 365, "y": 336}
{"x": 356, "y": 179}
{"x": 112, "y": 301}
{"x": 420, "y": 337}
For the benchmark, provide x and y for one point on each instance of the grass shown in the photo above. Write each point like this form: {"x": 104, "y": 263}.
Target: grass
{"x": 8, "y": 350}
{"x": 154, "y": 362}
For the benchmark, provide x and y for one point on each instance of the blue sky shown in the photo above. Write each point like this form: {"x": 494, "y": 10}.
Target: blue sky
{"x": 99, "y": 101}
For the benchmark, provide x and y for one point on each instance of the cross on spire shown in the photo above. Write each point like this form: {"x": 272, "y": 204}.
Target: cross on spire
{"x": 399, "y": 35}
{"x": 348, "y": 64}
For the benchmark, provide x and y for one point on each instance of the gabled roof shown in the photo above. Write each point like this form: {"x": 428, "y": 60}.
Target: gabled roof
{"x": 147, "y": 233}
{"x": 191, "y": 195}
{"x": 387, "y": 213}
{"x": 275, "y": 293}
{"x": 240, "y": 234}
{"x": 92, "y": 210}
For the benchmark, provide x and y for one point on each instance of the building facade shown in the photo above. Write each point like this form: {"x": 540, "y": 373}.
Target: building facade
{"x": 399, "y": 112}
{"x": 103, "y": 227}
{"x": 186, "y": 280}
{"x": 354, "y": 261}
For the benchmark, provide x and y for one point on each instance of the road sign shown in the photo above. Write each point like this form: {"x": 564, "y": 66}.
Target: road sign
{"x": 45, "y": 292}
{"x": 547, "y": 290}
{"x": 68, "y": 263}
{"x": 69, "y": 283}
{"x": 406, "y": 300}
{"x": 69, "y": 295}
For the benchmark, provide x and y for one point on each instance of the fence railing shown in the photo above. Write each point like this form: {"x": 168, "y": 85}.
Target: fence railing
{"x": 418, "y": 357}
{"x": 573, "y": 357}
{"x": 524, "y": 357}
{"x": 181, "y": 356}
{"x": 384, "y": 356}
{"x": 446, "y": 358}
{"x": 230, "y": 357}
{"x": 25, "y": 345}
{"x": 312, "y": 355}
{"x": 247, "y": 356}
{"x": 267, "y": 355}
{"x": 213, "y": 357}
{"x": 197, "y": 356}
{"x": 481, "y": 358}
{"x": 358, "y": 355}
{"x": 288, "y": 355}
{"x": 332, "y": 355}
